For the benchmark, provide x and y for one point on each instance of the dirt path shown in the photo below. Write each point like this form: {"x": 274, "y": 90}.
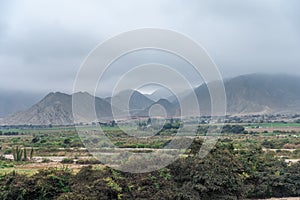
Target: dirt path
{"x": 37, "y": 166}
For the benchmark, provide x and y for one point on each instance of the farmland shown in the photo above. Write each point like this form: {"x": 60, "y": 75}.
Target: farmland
{"x": 250, "y": 160}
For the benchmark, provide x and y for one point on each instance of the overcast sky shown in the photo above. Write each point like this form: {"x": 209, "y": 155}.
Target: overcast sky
{"x": 43, "y": 43}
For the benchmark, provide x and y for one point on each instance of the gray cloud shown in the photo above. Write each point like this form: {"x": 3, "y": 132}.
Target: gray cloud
{"x": 43, "y": 43}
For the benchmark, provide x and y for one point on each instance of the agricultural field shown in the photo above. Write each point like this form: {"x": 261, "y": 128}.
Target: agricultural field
{"x": 257, "y": 160}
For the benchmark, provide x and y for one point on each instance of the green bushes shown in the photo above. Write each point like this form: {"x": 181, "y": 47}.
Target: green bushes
{"x": 46, "y": 160}
{"x": 237, "y": 129}
{"x": 67, "y": 161}
{"x": 219, "y": 176}
{"x": 90, "y": 161}
{"x": 6, "y": 164}
{"x": 46, "y": 184}
{"x": 223, "y": 174}
{"x": 7, "y": 151}
{"x": 278, "y": 143}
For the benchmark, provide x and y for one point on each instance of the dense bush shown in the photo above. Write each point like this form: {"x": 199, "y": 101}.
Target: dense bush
{"x": 67, "y": 161}
{"x": 88, "y": 161}
{"x": 223, "y": 174}
{"x": 238, "y": 129}
{"x": 278, "y": 143}
{"x": 47, "y": 184}
{"x": 9, "y": 133}
{"x": 218, "y": 176}
{"x": 268, "y": 176}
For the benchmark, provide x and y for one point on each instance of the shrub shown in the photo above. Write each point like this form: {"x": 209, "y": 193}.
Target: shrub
{"x": 46, "y": 184}
{"x": 46, "y": 160}
{"x": 222, "y": 174}
{"x": 67, "y": 161}
{"x": 6, "y": 164}
{"x": 7, "y": 151}
{"x": 90, "y": 161}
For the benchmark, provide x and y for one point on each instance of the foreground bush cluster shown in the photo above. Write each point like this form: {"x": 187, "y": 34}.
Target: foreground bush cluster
{"x": 223, "y": 174}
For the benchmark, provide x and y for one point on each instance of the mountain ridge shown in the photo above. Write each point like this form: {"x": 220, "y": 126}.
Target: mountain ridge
{"x": 246, "y": 94}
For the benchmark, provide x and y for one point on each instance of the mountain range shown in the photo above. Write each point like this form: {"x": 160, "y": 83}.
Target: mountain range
{"x": 246, "y": 94}
{"x": 14, "y": 101}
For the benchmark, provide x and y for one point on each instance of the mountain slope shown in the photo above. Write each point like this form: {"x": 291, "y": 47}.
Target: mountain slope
{"x": 168, "y": 109}
{"x": 247, "y": 94}
{"x": 161, "y": 93}
{"x": 263, "y": 93}
{"x": 137, "y": 101}
{"x": 56, "y": 109}
{"x": 255, "y": 94}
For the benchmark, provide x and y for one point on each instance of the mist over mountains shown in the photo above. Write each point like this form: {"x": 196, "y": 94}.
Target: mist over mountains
{"x": 255, "y": 94}
{"x": 14, "y": 101}
{"x": 247, "y": 94}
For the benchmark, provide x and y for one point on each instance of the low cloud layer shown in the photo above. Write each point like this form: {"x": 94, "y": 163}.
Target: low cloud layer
{"x": 43, "y": 43}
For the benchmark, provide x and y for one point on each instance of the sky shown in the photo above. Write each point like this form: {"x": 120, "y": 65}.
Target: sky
{"x": 43, "y": 43}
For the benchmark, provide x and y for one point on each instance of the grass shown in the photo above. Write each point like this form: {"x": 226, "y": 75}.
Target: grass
{"x": 64, "y": 141}
{"x": 20, "y": 171}
{"x": 270, "y": 134}
{"x": 273, "y": 125}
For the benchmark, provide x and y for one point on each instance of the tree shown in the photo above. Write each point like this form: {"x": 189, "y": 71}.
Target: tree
{"x": 113, "y": 123}
{"x": 149, "y": 121}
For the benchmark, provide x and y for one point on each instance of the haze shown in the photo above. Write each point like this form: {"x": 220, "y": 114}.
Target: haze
{"x": 43, "y": 43}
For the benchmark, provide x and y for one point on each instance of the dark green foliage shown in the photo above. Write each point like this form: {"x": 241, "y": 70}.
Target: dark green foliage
{"x": 67, "y": 161}
{"x": 6, "y": 164}
{"x": 67, "y": 141}
{"x": 46, "y": 160}
{"x": 10, "y": 133}
{"x": 237, "y": 129}
{"x": 202, "y": 129}
{"x": 7, "y": 151}
{"x": 195, "y": 147}
{"x": 174, "y": 125}
{"x": 223, "y": 174}
{"x": 88, "y": 161}
{"x": 218, "y": 176}
{"x": 276, "y": 143}
{"x": 113, "y": 123}
{"x": 267, "y": 176}
{"x": 35, "y": 139}
{"x": 47, "y": 184}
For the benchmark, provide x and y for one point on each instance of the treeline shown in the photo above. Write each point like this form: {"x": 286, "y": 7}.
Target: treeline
{"x": 9, "y": 133}
{"x": 223, "y": 174}
{"x": 236, "y": 129}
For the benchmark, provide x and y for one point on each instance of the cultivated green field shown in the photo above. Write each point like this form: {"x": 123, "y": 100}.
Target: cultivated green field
{"x": 257, "y": 161}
